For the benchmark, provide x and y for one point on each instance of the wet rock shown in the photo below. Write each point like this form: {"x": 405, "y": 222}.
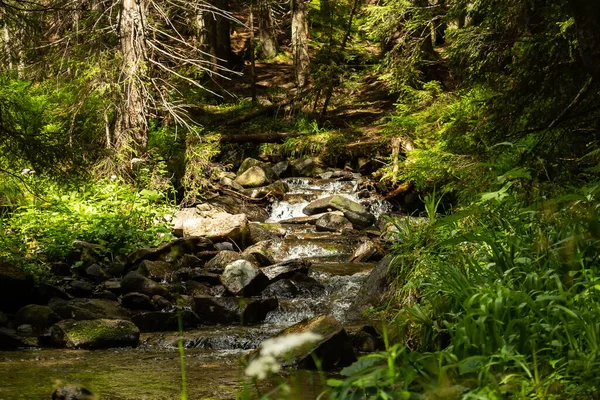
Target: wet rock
{"x": 137, "y": 301}
{"x": 191, "y": 261}
{"x": 165, "y": 321}
{"x": 334, "y": 350}
{"x": 331, "y": 222}
{"x": 281, "y": 168}
{"x": 239, "y": 205}
{"x": 135, "y": 282}
{"x": 260, "y": 253}
{"x": 157, "y": 270}
{"x": 307, "y": 285}
{"x": 96, "y": 273}
{"x": 202, "y": 275}
{"x": 286, "y": 269}
{"x": 105, "y": 294}
{"x": 242, "y": 277}
{"x": 282, "y": 289}
{"x": 170, "y": 251}
{"x": 365, "y": 339}
{"x": 226, "y": 181}
{"x": 79, "y": 288}
{"x": 9, "y": 340}
{"x": 221, "y": 226}
{"x": 259, "y": 232}
{"x": 17, "y": 288}
{"x": 310, "y": 219}
{"x": 233, "y": 310}
{"x": 38, "y": 317}
{"x": 112, "y": 286}
{"x": 305, "y": 167}
{"x": 253, "y": 177}
{"x": 160, "y": 303}
{"x": 277, "y": 189}
{"x": 354, "y": 212}
{"x": 86, "y": 309}
{"x": 224, "y": 246}
{"x": 249, "y": 163}
{"x": 367, "y": 250}
{"x": 94, "y": 334}
{"x": 372, "y": 291}
{"x": 197, "y": 289}
{"x": 221, "y": 260}
{"x": 71, "y": 392}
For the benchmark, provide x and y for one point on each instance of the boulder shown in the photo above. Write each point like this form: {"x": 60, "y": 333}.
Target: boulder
{"x": 96, "y": 273}
{"x": 112, "y": 286}
{"x": 219, "y": 227}
{"x": 180, "y": 217}
{"x": 17, "y": 288}
{"x": 105, "y": 294}
{"x": 307, "y": 285}
{"x": 373, "y": 290}
{"x": 259, "y": 232}
{"x": 281, "y": 289}
{"x": 334, "y": 349}
{"x": 160, "y": 303}
{"x": 94, "y": 334}
{"x": 281, "y": 168}
{"x": 260, "y": 253}
{"x": 157, "y": 321}
{"x": 196, "y": 274}
{"x": 39, "y": 317}
{"x": 249, "y": 163}
{"x": 233, "y": 310}
{"x": 241, "y": 277}
{"x": 197, "y": 289}
{"x": 137, "y": 301}
{"x": 367, "y": 250}
{"x": 86, "y": 309}
{"x": 286, "y": 269}
{"x": 226, "y": 181}
{"x": 240, "y": 205}
{"x": 79, "y": 288}
{"x": 191, "y": 261}
{"x": 170, "y": 251}
{"x": 218, "y": 263}
{"x": 253, "y": 177}
{"x": 276, "y": 189}
{"x": 9, "y": 340}
{"x": 71, "y": 392}
{"x": 331, "y": 222}
{"x": 305, "y": 167}
{"x": 365, "y": 339}
{"x": 354, "y": 212}
{"x": 135, "y": 282}
{"x": 157, "y": 270}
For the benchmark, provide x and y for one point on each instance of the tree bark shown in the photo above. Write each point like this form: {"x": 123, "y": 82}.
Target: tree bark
{"x": 266, "y": 30}
{"x": 587, "y": 23}
{"x": 219, "y": 38}
{"x": 131, "y": 128}
{"x": 300, "y": 42}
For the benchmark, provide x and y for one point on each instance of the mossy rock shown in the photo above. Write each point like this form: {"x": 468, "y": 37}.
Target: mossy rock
{"x": 86, "y": 309}
{"x": 357, "y": 214}
{"x": 94, "y": 334}
{"x": 39, "y": 317}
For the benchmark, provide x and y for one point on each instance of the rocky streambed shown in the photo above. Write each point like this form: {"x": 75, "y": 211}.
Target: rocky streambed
{"x": 282, "y": 248}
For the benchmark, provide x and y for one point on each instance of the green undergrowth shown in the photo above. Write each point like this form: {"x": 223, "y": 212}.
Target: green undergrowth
{"x": 114, "y": 215}
{"x": 499, "y": 300}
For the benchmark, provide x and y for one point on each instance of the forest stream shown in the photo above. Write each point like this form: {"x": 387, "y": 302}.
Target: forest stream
{"x": 212, "y": 352}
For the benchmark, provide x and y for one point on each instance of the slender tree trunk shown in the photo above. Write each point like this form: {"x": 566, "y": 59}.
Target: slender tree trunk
{"x": 252, "y": 60}
{"x": 131, "y": 130}
{"x": 266, "y": 30}
{"x": 587, "y": 22}
{"x": 300, "y": 41}
{"x": 219, "y": 39}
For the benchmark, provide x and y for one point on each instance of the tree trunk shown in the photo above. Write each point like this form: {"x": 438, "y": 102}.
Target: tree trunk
{"x": 266, "y": 30}
{"x": 300, "y": 42}
{"x": 587, "y": 16}
{"x": 131, "y": 128}
{"x": 219, "y": 38}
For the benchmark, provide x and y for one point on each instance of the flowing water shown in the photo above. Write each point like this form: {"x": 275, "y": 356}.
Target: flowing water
{"x": 212, "y": 354}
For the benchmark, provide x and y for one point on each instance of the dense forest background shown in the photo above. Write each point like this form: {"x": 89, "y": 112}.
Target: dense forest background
{"x": 486, "y": 111}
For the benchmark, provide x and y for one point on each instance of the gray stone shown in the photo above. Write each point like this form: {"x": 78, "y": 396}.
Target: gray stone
{"x": 94, "y": 334}
{"x": 305, "y": 167}
{"x": 226, "y": 181}
{"x": 281, "y": 289}
{"x": 218, "y": 263}
{"x": 259, "y": 232}
{"x": 373, "y": 290}
{"x": 253, "y": 177}
{"x": 281, "y": 168}
{"x": 96, "y": 273}
{"x": 356, "y": 213}
{"x": 191, "y": 261}
{"x": 171, "y": 251}
{"x": 240, "y": 205}
{"x": 39, "y": 317}
{"x": 260, "y": 253}
{"x": 197, "y": 289}
{"x": 137, "y": 301}
{"x": 233, "y": 310}
{"x": 135, "y": 282}
{"x": 334, "y": 349}
{"x": 331, "y": 222}
{"x": 219, "y": 227}
{"x": 180, "y": 217}
{"x": 157, "y": 270}
{"x": 242, "y": 277}
{"x": 86, "y": 309}
{"x": 79, "y": 288}
{"x": 249, "y": 163}
{"x": 367, "y": 250}
{"x": 286, "y": 269}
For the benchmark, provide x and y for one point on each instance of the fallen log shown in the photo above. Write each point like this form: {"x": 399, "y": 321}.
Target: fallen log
{"x": 264, "y": 137}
